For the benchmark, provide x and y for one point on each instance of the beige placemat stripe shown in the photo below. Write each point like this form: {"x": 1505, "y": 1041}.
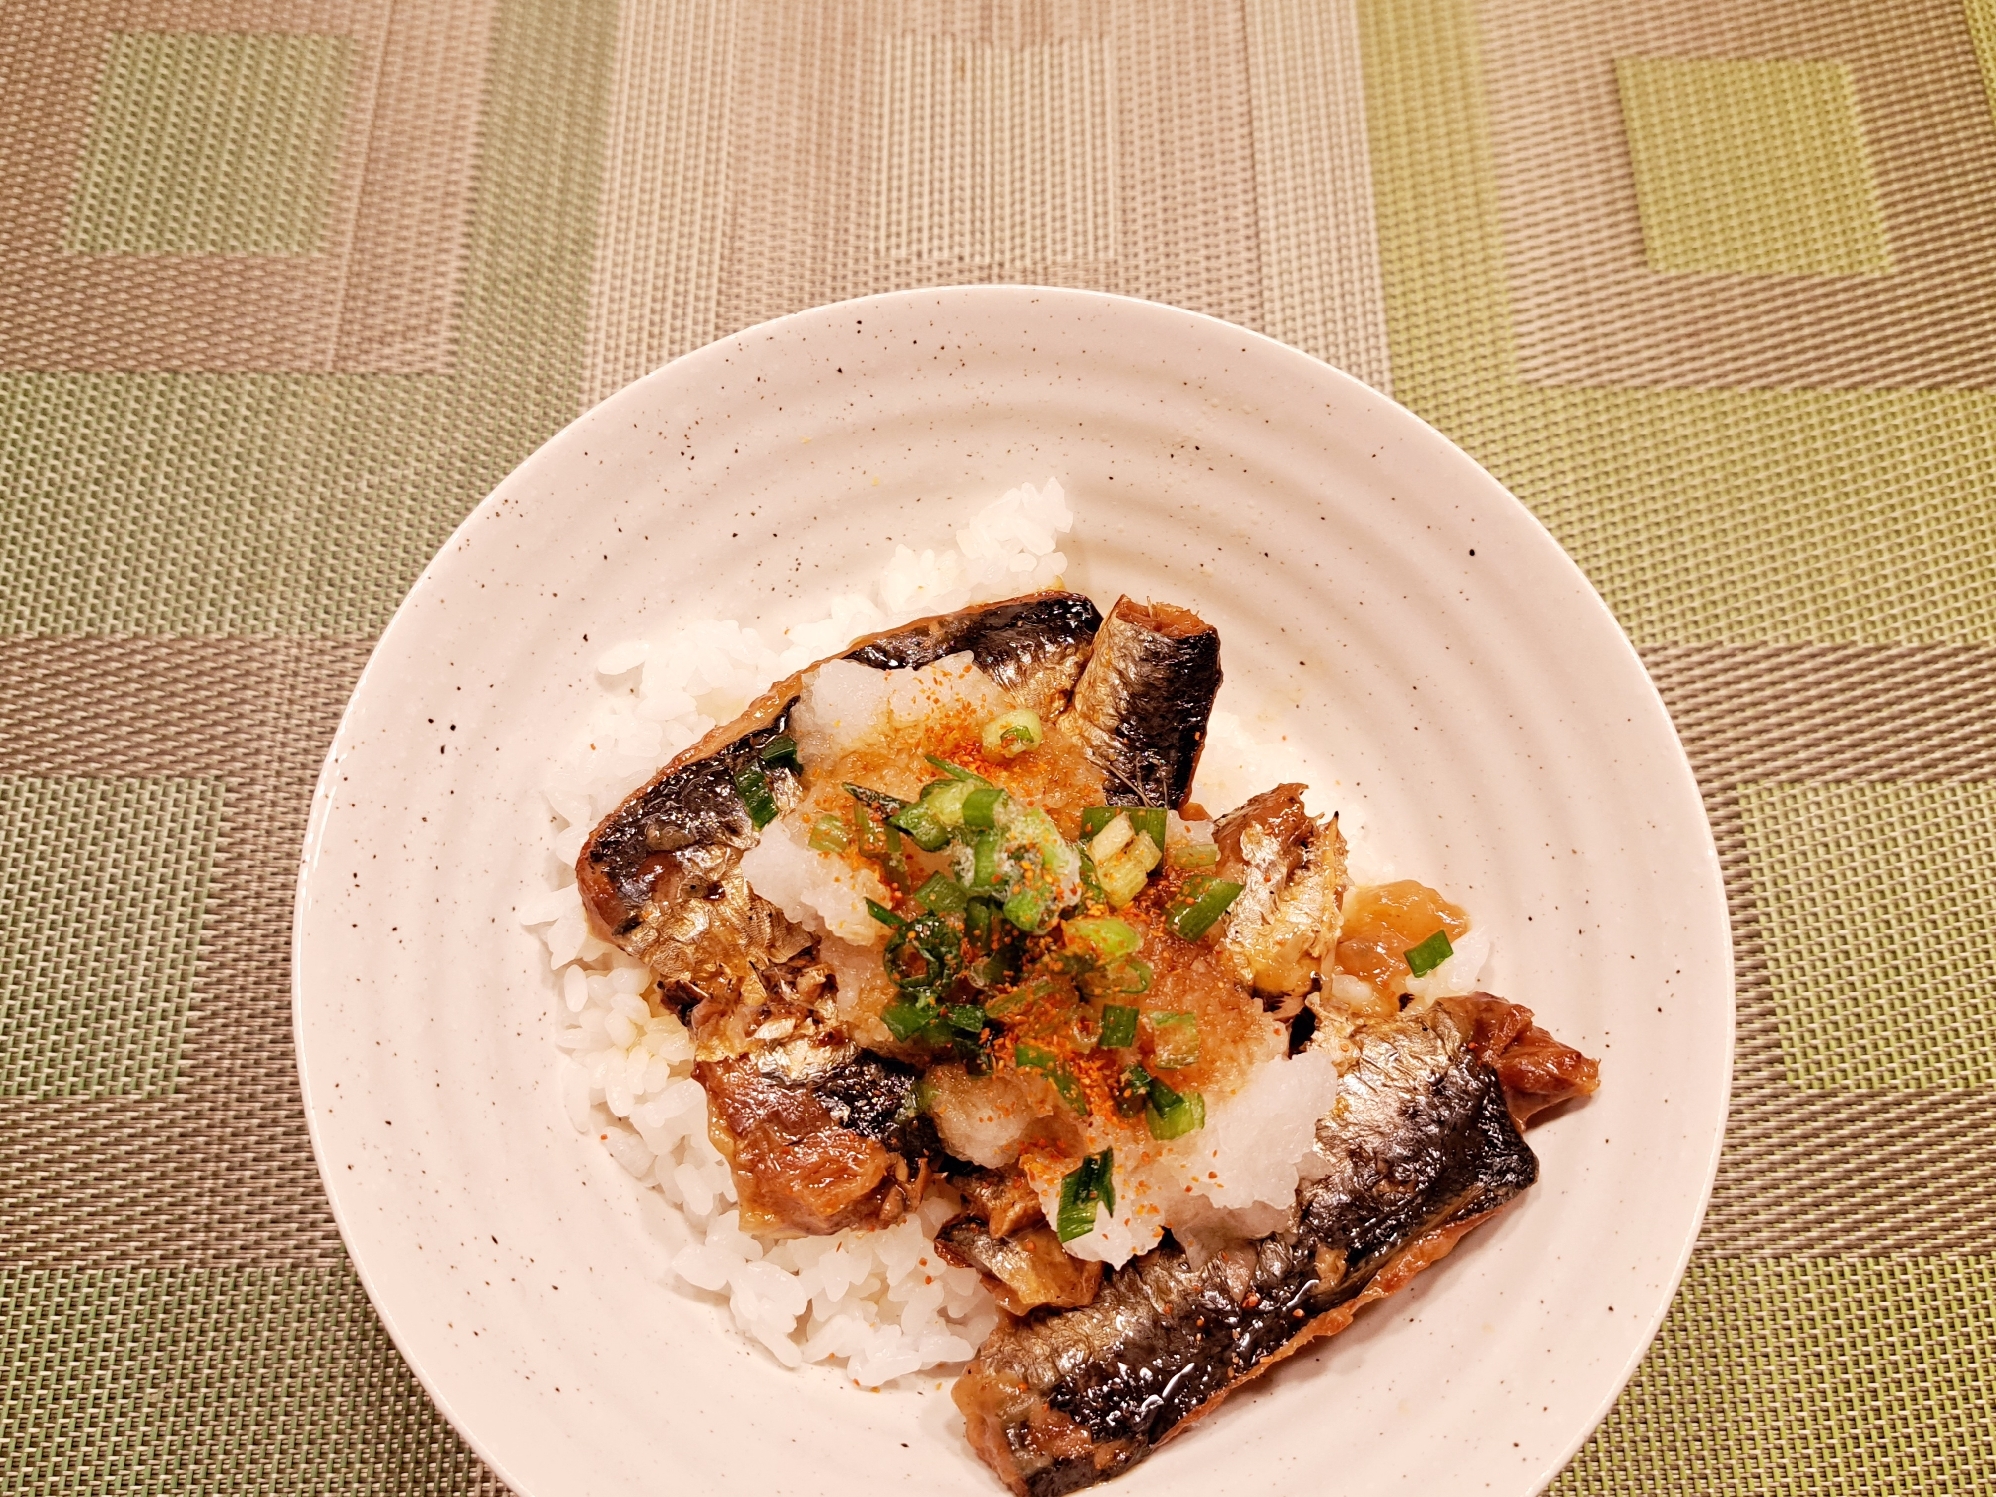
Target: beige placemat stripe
{"x": 220, "y": 1173}
{"x": 1804, "y": 1173}
{"x": 1319, "y": 241}
{"x": 663, "y": 215}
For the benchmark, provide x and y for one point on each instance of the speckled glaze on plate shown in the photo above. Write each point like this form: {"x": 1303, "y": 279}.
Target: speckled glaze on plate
{"x": 1382, "y": 601}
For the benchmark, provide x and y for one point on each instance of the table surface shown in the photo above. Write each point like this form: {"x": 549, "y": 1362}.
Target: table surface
{"x": 290, "y": 284}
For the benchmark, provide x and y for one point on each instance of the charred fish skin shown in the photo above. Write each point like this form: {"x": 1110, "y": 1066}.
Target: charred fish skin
{"x": 1063, "y": 1399}
{"x": 1142, "y": 705}
{"x": 691, "y": 821}
{"x": 1033, "y": 647}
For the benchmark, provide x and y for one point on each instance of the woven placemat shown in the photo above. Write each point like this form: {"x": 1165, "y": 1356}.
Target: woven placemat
{"x": 287, "y": 285}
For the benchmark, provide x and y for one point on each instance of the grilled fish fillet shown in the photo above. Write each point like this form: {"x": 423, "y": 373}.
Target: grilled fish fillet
{"x": 1422, "y": 1147}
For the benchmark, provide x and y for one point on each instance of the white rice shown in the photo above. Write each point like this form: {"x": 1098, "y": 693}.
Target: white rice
{"x": 882, "y": 1303}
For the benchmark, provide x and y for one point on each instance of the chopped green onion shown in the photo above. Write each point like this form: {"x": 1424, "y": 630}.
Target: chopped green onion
{"x": 1132, "y": 975}
{"x": 1030, "y": 1057}
{"x": 942, "y": 895}
{"x": 1009, "y": 1003}
{"x": 920, "y": 823}
{"x": 1111, "y": 840}
{"x": 1430, "y": 954}
{"x": 984, "y": 861}
{"x": 1090, "y": 1183}
{"x": 1174, "y": 1041}
{"x": 1094, "y": 818}
{"x": 1069, "y": 1089}
{"x": 894, "y": 861}
{"x": 752, "y": 785}
{"x": 828, "y": 834}
{"x": 943, "y": 799}
{"x": 979, "y": 807}
{"x": 936, "y": 942}
{"x": 967, "y": 1018}
{"x": 1091, "y": 883}
{"x": 782, "y": 752}
{"x": 1203, "y": 901}
{"x": 884, "y": 915}
{"x": 867, "y": 835}
{"x": 1025, "y": 909}
{"x": 1087, "y": 1032}
{"x": 1107, "y": 937}
{"x": 906, "y": 1020}
{"x": 1123, "y": 879}
{"x": 1011, "y": 734}
{"x": 1119, "y": 1026}
{"x": 1192, "y": 855}
{"x": 1133, "y": 1091}
{"x": 956, "y": 771}
{"x": 879, "y": 800}
{"x": 1172, "y": 1115}
{"x": 1145, "y": 851}
{"x": 1150, "y": 821}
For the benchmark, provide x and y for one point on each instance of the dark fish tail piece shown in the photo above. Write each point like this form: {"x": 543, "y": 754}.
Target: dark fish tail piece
{"x": 1141, "y": 706}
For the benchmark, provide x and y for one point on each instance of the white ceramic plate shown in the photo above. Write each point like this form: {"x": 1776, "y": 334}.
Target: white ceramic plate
{"x": 1382, "y": 601}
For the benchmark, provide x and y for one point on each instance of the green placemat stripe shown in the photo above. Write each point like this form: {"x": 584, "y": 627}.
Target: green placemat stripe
{"x": 1712, "y": 516}
{"x": 211, "y": 143}
{"x": 216, "y": 504}
{"x": 210, "y": 1382}
{"x": 1829, "y": 1376}
{"x": 1877, "y": 908}
{"x": 103, "y": 889}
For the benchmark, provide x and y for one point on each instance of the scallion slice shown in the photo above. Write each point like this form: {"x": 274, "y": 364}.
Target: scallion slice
{"x": 1203, "y": 901}
{"x": 1174, "y": 1041}
{"x": 1132, "y": 975}
{"x": 1026, "y": 909}
{"x": 1004, "y": 1005}
{"x": 1111, "y": 840}
{"x": 1173, "y": 1114}
{"x": 1106, "y": 938}
{"x": 752, "y": 785}
{"x": 1122, "y": 879}
{"x": 956, "y": 771}
{"x": 782, "y": 752}
{"x": 984, "y": 861}
{"x": 907, "y": 1020}
{"x": 1430, "y": 954}
{"x": 828, "y": 834}
{"x": 1149, "y": 820}
{"x": 1088, "y": 1185}
{"x": 884, "y": 915}
{"x": 893, "y": 861}
{"x": 1192, "y": 855}
{"x": 920, "y": 823}
{"x": 1133, "y": 1091}
{"x": 965, "y": 1018}
{"x": 980, "y": 807}
{"x": 942, "y": 895}
{"x": 1094, "y": 818}
{"x": 1030, "y": 1057}
{"x": 1011, "y": 734}
{"x": 1119, "y": 1026}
